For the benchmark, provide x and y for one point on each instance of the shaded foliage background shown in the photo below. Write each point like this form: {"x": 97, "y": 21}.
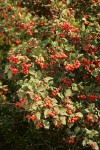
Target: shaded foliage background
{"x": 15, "y": 131}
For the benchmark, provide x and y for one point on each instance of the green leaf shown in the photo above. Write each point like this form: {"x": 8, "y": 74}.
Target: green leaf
{"x": 44, "y": 93}
{"x": 9, "y": 74}
{"x": 35, "y": 31}
{"x": 46, "y": 124}
{"x": 60, "y": 95}
{"x": 41, "y": 88}
{"x": 91, "y": 106}
{"x": 83, "y": 27}
{"x": 34, "y": 107}
{"x": 68, "y": 92}
{"x": 96, "y": 146}
{"x": 62, "y": 111}
{"x": 69, "y": 1}
{"x": 0, "y": 83}
{"x": 54, "y": 100}
{"x": 7, "y": 68}
{"x": 74, "y": 87}
{"x": 87, "y": 131}
{"x": 77, "y": 130}
{"x": 63, "y": 120}
{"x": 40, "y": 103}
{"x": 46, "y": 113}
{"x": 64, "y": 11}
{"x": 38, "y": 115}
{"x": 79, "y": 114}
{"x": 29, "y": 87}
{"x": 86, "y": 110}
{"x": 84, "y": 143}
{"x": 59, "y": 4}
{"x": 37, "y": 51}
{"x": 39, "y": 74}
{"x": 47, "y": 79}
{"x": 95, "y": 72}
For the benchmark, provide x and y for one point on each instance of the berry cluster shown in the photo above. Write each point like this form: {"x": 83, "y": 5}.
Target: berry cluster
{"x": 41, "y": 64}
{"x": 71, "y": 67}
{"x": 13, "y": 59}
{"x": 25, "y": 68}
{"x": 14, "y": 70}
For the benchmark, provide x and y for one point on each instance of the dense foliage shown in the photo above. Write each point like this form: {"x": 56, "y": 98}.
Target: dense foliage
{"x": 50, "y": 73}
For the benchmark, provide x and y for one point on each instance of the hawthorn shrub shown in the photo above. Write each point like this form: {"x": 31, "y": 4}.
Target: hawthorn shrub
{"x": 53, "y": 64}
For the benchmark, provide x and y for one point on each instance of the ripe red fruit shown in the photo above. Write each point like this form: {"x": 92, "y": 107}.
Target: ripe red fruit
{"x": 86, "y": 22}
{"x": 92, "y": 145}
{"x": 89, "y": 117}
{"x": 71, "y": 141}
